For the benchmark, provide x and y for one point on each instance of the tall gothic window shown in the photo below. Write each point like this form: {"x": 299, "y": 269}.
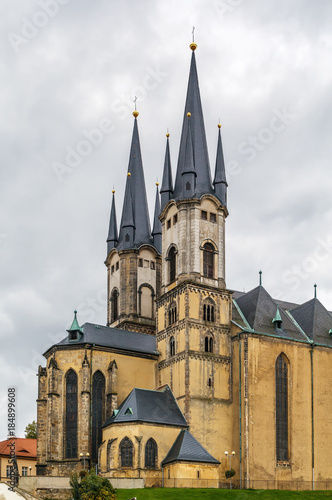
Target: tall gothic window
{"x": 208, "y": 266}
{"x": 98, "y": 411}
{"x": 151, "y": 453}
{"x": 172, "y": 264}
{"x": 115, "y": 304}
{"x": 282, "y": 408}
{"x": 126, "y": 453}
{"x": 71, "y": 415}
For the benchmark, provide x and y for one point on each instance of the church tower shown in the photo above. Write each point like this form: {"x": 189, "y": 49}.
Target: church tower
{"x": 195, "y": 308}
{"x": 133, "y": 257}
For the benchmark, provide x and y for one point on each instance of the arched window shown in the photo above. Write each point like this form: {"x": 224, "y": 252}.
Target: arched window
{"x": 114, "y": 305}
{"x": 151, "y": 453}
{"x": 208, "y": 312}
{"x": 126, "y": 453}
{"x": 208, "y": 257}
{"x": 71, "y": 415}
{"x": 172, "y": 346}
{"x": 172, "y": 314}
{"x": 282, "y": 408}
{"x": 208, "y": 342}
{"x": 98, "y": 411}
{"x": 172, "y": 264}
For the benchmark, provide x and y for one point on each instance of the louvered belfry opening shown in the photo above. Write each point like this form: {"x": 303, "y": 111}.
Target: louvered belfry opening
{"x": 208, "y": 267}
{"x": 282, "y": 409}
{"x": 71, "y": 415}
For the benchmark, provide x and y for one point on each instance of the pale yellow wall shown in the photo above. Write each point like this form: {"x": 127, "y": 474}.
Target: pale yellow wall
{"x": 21, "y": 462}
{"x": 163, "y": 435}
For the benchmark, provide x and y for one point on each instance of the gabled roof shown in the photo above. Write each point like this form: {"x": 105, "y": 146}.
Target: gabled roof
{"x": 200, "y": 152}
{"x": 105, "y": 336}
{"x": 24, "y": 448}
{"x": 142, "y": 405}
{"x": 315, "y": 320}
{"x": 187, "y": 449}
{"x": 259, "y": 309}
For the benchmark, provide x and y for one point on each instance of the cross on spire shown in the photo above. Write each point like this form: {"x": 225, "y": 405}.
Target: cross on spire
{"x": 193, "y": 33}
{"x": 135, "y": 102}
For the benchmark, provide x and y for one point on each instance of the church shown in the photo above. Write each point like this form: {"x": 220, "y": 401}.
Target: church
{"x": 188, "y": 379}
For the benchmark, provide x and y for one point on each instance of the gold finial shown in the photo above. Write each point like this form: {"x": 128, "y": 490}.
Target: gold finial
{"x": 113, "y": 191}
{"x": 129, "y": 174}
{"x": 189, "y": 114}
{"x": 219, "y": 125}
{"x": 193, "y": 45}
{"x": 135, "y": 113}
{"x": 157, "y": 184}
{"x": 167, "y": 135}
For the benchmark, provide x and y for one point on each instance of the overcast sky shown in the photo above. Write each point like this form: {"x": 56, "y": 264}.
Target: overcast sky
{"x": 68, "y": 67}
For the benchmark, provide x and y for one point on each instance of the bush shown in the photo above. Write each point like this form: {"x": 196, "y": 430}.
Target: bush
{"x": 230, "y": 473}
{"x": 92, "y": 487}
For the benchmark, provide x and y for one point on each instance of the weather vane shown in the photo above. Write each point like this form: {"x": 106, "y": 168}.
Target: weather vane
{"x": 135, "y": 102}
{"x": 193, "y": 32}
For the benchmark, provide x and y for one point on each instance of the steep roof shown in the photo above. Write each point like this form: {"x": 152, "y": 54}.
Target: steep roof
{"x": 200, "y": 152}
{"x": 105, "y": 336}
{"x": 259, "y": 309}
{"x": 315, "y": 320}
{"x": 166, "y": 190}
{"x": 142, "y": 405}
{"x": 112, "y": 238}
{"x": 157, "y": 231}
{"x": 187, "y": 449}
{"x": 135, "y": 211}
{"x": 24, "y": 448}
{"x": 220, "y": 182}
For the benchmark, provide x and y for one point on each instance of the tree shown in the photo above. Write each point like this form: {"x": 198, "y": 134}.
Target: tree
{"x": 92, "y": 487}
{"x": 31, "y": 430}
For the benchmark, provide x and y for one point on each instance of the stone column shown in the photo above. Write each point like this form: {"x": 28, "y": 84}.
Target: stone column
{"x": 112, "y": 389}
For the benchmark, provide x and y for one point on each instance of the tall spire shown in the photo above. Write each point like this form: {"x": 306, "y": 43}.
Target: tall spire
{"x": 220, "y": 182}
{"x": 127, "y": 228}
{"x": 137, "y": 195}
{"x": 166, "y": 190}
{"x": 156, "y": 231}
{"x": 200, "y": 152}
{"x": 112, "y": 238}
{"x": 189, "y": 173}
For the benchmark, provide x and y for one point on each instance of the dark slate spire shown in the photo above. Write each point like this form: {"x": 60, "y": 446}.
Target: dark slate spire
{"x": 137, "y": 193}
{"x": 156, "y": 231}
{"x": 127, "y": 228}
{"x": 166, "y": 190}
{"x": 200, "y": 152}
{"x": 220, "y": 182}
{"x": 189, "y": 172}
{"x": 112, "y": 239}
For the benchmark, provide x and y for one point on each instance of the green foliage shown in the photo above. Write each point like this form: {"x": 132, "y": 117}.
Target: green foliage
{"x": 91, "y": 487}
{"x": 31, "y": 430}
{"x": 229, "y": 473}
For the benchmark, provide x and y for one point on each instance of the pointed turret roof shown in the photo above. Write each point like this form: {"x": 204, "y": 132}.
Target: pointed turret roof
{"x": 166, "y": 190}
{"x": 200, "y": 152}
{"x": 187, "y": 449}
{"x": 75, "y": 327}
{"x": 189, "y": 164}
{"x": 220, "y": 171}
{"x": 157, "y": 231}
{"x": 135, "y": 189}
{"x": 112, "y": 238}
